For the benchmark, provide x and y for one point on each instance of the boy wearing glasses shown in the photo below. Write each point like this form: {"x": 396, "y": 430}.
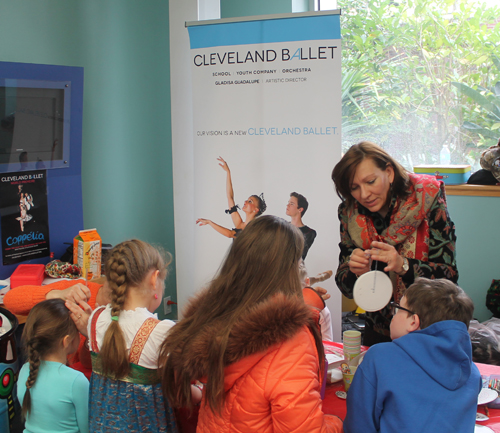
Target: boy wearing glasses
{"x": 425, "y": 379}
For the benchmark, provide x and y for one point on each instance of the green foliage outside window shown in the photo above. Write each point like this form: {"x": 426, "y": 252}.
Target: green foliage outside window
{"x": 421, "y": 74}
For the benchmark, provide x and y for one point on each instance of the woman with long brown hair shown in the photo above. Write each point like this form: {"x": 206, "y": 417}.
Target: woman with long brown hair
{"x": 395, "y": 219}
{"x": 252, "y": 340}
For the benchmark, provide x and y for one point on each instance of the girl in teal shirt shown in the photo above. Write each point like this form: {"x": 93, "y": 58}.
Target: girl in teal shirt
{"x": 54, "y": 397}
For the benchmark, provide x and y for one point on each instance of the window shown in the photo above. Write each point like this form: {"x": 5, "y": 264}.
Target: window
{"x": 418, "y": 75}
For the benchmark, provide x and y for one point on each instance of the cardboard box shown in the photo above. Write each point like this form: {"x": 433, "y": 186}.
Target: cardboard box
{"x": 27, "y": 275}
{"x": 87, "y": 253}
{"x": 449, "y": 174}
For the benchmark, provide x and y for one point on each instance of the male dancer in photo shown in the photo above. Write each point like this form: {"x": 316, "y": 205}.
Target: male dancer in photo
{"x": 296, "y": 208}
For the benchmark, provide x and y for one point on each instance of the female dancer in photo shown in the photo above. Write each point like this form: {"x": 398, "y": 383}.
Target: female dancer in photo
{"x": 253, "y": 207}
{"x": 25, "y": 203}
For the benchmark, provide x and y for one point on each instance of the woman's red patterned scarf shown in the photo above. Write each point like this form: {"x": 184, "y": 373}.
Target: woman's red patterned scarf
{"x": 408, "y": 231}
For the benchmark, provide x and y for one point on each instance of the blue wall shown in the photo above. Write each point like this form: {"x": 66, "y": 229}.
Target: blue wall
{"x": 123, "y": 46}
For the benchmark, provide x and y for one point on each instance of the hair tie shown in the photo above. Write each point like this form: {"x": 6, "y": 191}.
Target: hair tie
{"x": 114, "y": 318}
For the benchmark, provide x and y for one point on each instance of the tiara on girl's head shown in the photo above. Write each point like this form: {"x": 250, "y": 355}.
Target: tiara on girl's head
{"x": 263, "y": 206}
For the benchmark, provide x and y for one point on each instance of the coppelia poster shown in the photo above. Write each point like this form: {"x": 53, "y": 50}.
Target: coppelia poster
{"x": 24, "y": 216}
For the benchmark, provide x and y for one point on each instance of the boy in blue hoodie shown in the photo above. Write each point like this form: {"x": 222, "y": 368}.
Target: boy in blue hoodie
{"x": 424, "y": 380}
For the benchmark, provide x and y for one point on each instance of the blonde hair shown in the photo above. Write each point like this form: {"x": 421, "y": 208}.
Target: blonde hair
{"x": 127, "y": 265}
{"x": 47, "y": 324}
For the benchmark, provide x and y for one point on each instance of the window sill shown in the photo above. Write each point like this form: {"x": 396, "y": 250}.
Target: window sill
{"x": 474, "y": 190}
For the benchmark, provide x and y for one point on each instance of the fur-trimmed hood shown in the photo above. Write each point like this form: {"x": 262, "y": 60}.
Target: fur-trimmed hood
{"x": 269, "y": 323}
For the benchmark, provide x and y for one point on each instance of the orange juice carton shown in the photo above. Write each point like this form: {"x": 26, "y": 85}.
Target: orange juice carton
{"x": 87, "y": 253}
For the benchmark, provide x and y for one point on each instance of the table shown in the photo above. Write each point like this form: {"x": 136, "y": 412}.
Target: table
{"x": 336, "y": 406}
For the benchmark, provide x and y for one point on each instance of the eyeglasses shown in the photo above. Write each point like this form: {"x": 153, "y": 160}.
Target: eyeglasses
{"x": 395, "y": 307}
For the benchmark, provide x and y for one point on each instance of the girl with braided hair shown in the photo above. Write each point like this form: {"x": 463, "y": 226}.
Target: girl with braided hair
{"x": 125, "y": 338}
{"x": 54, "y": 397}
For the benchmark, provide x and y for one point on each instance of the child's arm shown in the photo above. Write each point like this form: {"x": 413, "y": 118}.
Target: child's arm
{"x": 81, "y": 402}
{"x": 325, "y": 323}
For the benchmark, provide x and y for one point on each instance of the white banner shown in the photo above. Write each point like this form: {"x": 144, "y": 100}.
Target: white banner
{"x": 267, "y": 98}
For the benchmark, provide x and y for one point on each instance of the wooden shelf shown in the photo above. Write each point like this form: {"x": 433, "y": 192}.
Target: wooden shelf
{"x": 474, "y": 190}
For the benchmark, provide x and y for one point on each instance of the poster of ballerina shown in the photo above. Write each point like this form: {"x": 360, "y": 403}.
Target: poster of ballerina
{"x": 24, "y": 216}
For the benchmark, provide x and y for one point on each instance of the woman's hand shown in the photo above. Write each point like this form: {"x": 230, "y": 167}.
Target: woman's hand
{"x": 388, "y": 254}
{"x": 202, "y": 222}
{"x": 77, "y": 293}
{"x": 359, "y": 263}
{"x": 223, "y": 164}
{"x": 80, "y": 314}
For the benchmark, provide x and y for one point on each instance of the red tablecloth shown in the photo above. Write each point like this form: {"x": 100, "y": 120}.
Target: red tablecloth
{"x": 337, "y": 406}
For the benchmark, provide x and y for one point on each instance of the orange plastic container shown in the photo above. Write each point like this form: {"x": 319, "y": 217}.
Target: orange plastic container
{"x": 27, "y": 274}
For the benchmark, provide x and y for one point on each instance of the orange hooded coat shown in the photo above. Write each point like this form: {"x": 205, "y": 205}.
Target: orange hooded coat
{"x": 272, "y": 375}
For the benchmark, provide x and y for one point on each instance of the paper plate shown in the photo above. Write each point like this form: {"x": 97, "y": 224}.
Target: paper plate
{"x": 481, "y": 417}
{"x": 372, "y": 291}
{"x": 486, "y": 395}
{"x": 482, "y": 429}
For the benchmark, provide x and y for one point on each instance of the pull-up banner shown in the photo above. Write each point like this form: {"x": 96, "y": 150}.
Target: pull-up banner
{"x": 275, "y": 78}
{"x": 267, "y": 99}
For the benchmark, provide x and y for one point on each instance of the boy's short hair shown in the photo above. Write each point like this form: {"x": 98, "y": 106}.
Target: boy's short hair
{"x": 301, "y": 202}
{"x": 438, "y": 300}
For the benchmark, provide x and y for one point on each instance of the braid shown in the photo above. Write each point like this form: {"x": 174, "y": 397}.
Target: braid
{"x": 127, "y": 266}
{"x": 34, "y": 361}
{"x": 113, "y": 354}
{"x": 117, "y": 281}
